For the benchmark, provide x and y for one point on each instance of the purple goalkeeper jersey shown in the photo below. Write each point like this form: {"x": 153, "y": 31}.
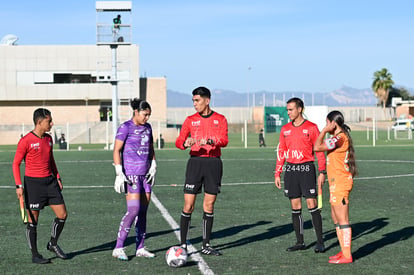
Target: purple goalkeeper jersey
{"x": 136, "y": 158}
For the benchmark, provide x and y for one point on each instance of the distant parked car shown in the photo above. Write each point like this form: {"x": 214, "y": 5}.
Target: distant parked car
{"x": 403, "y": 125}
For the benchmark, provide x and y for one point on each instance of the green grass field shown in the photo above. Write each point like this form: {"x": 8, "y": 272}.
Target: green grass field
{"x": 252, "y": 224}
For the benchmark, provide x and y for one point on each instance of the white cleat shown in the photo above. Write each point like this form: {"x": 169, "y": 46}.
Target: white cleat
{"x": 119, "y": 253}
{"x": 142, "y": 252}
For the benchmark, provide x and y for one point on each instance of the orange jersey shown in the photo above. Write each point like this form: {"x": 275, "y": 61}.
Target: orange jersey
{"x": 339, "y": 176}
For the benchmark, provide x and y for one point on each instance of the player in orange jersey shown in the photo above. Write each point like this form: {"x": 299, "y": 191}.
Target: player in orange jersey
{"x": 341, "y": 170}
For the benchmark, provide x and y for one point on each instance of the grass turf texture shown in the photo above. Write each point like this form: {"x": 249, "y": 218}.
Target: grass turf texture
{"x": 252, "y": 225}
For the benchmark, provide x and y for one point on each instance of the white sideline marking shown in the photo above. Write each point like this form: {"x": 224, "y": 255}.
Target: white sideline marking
{"x": 12, "y": 186}
{"x": 202, "y": 265}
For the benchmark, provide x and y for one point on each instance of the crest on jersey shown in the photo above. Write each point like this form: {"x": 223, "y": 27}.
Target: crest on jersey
{"x": 195, "y": 123}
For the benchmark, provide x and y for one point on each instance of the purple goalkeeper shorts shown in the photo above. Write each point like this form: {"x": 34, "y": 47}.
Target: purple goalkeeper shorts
{"x": 139, "y": 184}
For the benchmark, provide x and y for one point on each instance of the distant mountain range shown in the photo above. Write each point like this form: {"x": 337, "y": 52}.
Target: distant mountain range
{"x": 345, "y": 96}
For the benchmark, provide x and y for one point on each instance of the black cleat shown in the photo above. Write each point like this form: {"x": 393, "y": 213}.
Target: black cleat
{"x": 57, "y": 250}
{"x": 40, "y": 260}
{"x": 319, "y": 248}
{"x": 208, "y": 250}
{"x": 296, "y": 247}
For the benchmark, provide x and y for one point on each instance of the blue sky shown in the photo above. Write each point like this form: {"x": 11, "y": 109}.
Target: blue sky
{"x": 245, "y": 46}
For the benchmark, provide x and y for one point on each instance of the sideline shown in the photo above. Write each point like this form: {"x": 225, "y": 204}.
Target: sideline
{"x": 12, "y": 186}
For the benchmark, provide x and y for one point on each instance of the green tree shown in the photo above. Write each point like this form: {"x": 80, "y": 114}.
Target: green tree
{"x": 405, "y": 94}
{"x": 382, "y": 84}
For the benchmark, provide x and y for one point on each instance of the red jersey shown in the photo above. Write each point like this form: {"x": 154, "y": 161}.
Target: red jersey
{"x": 213, "y": 126}
{"x": 296, "y": 145}
{"x": 38, "y": 156}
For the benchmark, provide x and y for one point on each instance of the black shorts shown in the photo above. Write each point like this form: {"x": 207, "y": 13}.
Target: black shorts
{"x": 40, "y": 192}
{"x": 300, "y": 180}
{"x": 203, "y": 171}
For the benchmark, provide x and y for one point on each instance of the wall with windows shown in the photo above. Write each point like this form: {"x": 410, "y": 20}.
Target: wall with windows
{"x": 74, "y": 83}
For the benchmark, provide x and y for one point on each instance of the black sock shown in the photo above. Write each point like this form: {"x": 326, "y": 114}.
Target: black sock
{"x": 297, "y": 221}
{"x": 317, "y": 223}
{"x": 31, "y": 236}
{"x": 208, "y": 219}
{"x": 57, "y": 227}
{"x": 185, "y": 222}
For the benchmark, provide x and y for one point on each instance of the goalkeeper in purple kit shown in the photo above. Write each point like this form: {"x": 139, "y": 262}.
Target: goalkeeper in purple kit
{"x": 135, "y": 169}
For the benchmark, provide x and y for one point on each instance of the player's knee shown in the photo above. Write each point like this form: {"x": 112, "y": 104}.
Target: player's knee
{"x": 62, "y": 216}
{"x": 311, "y": 203}
{"x": 188, "y": 209}
{"x": 209, "y": 208}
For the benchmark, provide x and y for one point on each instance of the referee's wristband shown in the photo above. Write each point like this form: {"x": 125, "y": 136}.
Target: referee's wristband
{"x": 323, "y": 172}
{"x": 19, "y": 186}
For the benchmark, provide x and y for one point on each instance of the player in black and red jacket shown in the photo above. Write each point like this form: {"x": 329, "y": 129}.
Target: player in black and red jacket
{"x": 205, "y": 133}
{"x": 42, "y": 183}
{"x": 296, "y": 142}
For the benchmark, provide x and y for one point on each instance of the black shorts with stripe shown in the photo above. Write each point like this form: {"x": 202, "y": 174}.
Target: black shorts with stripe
{"x": 205, "y": 172}
{"x": 40, "y": 192}
{"x": 300, "y": 180}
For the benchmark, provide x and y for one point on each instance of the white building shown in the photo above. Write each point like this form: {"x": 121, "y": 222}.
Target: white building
{"x": 74, "y": 82}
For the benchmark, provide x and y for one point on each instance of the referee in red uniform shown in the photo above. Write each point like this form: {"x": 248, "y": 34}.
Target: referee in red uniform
{"x": 296, "y": 142}
{"x": 42, "y": 183}
{"x": 205, "y": 133}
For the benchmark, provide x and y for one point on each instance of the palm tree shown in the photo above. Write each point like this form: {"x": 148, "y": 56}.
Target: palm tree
{"x": 382, "y": 84}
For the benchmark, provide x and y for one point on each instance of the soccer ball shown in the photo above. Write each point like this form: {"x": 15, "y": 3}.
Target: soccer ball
{"x": 176, "y": 256}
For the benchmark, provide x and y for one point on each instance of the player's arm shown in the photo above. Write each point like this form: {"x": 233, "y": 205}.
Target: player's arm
{"x": 222, "y": 138}
{"x": 320, "y": 145}
{"x": 116, "y": 154}
{"x": 320, "y": 155}
{"x": 280, "y": 160}
{"x": 152, "y": 170}
{"x": 18, "y": 158}
{"x": 54, "y": 168}
{"x": 182, "y": 142}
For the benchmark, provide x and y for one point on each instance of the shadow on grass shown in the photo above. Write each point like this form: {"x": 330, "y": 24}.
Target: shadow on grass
{"x": 358, "y": 230}
{"x": 109, "y": 246}
{"x": 387, "y": 239}
{"x": 269, "y": 234}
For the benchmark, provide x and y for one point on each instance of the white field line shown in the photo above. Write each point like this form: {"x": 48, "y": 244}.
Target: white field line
{"x": 224, "y": 159}
{"x": 202, "y": 265}
{"x": 225, "y": 184}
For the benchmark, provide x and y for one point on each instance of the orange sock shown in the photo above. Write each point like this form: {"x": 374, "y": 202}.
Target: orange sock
{"x": 347, "y": 239}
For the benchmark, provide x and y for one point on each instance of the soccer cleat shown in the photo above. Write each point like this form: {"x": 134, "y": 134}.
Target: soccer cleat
{"x": 296, "y": 247}
{"x": 184, "y": 247}
{"x": 337, "y": 256}
{"x": 40, "y": 260}
{"x": 341, "y": 260}
{"x": 142, "y": 252}
{"x": 319, "y": 248}
{"x": 208, "y": 250}
{"x": 119, "y": 253}
{"x": 57, "y": 250}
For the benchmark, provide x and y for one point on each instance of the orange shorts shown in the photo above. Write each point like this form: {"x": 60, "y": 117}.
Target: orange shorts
{"x": 339, "y": 189}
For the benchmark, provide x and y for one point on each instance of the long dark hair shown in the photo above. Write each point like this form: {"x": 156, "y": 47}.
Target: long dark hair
{"x": 338, "y": 117}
